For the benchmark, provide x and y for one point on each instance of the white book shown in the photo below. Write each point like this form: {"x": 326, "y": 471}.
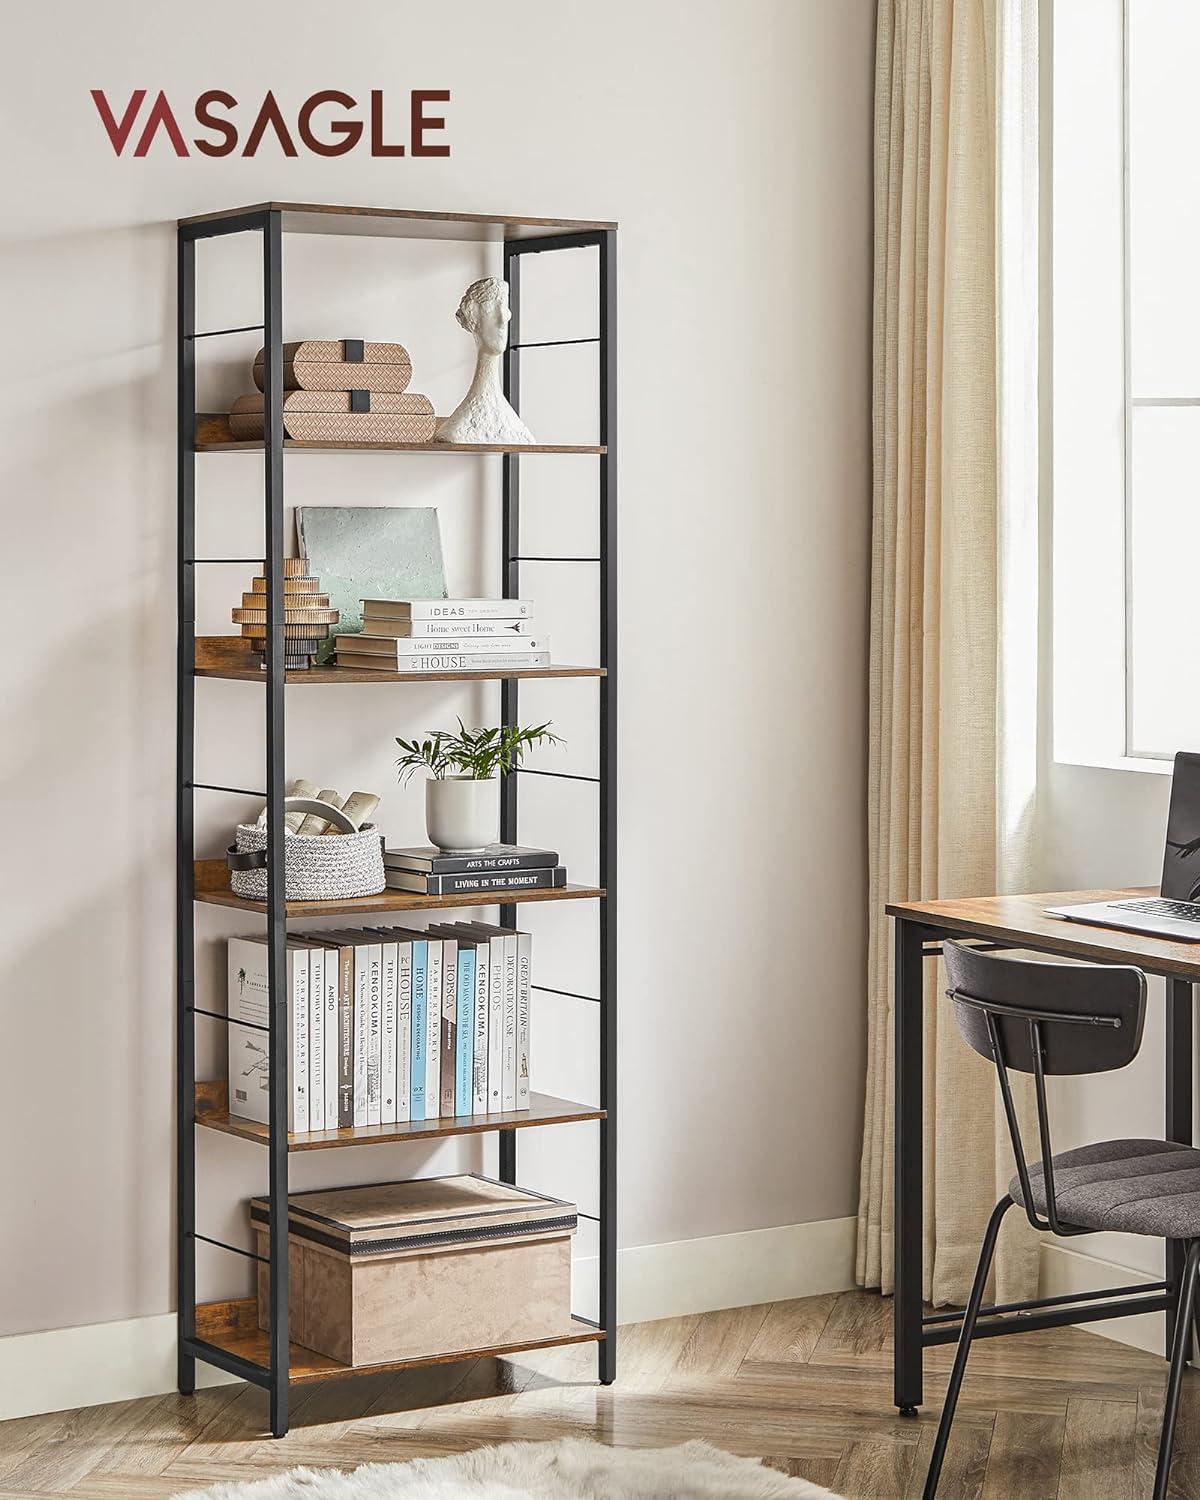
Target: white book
{"x": 403, "y": 1029}
{"x": 316, "y": 1037}
{"x": 387, "y": 1051}
{"x": 524, "y": 1009}
{"x": 362, "y": 1029}
{"x": 495, "y": 1023}
{"x": 374, "y": 1032}
{"x": 384, "y": 645}
{"x": 433, "y": 1031}
{"x": 448, "y": 609}
{"x": 248, "y": 1007}
{"x": 446, "y": 661}
{"x": 377, "y": 627}
{"x": 509, "y": 1092}
{"x": 332, "y": 1040}
{"x": 479, "y": 1062}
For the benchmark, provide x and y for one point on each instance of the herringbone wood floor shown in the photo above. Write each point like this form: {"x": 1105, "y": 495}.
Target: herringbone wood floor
{"x": 805, "y": 1384}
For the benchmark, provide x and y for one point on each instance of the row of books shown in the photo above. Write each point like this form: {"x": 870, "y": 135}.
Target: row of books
{"x": 500, "y": 867}
{"x": 444, "y": 635}
{"x": 386, "y": 1025}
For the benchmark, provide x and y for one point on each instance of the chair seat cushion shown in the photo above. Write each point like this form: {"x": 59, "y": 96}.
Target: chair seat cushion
{"x": 1137, "y": 1187}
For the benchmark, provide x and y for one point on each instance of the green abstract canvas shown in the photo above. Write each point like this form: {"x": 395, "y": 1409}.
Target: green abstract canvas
{"x": 370, "y": 552}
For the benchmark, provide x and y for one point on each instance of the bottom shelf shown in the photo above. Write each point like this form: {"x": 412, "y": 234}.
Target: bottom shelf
{"x": 233, "y": 1326}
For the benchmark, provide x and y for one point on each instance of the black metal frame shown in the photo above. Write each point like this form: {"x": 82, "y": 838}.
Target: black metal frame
{"x": 916, "y": 941}
{"x": 275, "y": 1377}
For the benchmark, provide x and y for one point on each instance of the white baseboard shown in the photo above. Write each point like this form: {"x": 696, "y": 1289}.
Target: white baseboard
{"x": 69, "y": 1367}
{"x": 1063, "y": 1271}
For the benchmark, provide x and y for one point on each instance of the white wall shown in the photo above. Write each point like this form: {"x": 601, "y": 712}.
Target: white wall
{"x": 733, "y": 145}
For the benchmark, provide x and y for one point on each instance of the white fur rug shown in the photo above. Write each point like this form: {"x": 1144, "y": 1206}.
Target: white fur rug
{"x": 573, "y": 1469}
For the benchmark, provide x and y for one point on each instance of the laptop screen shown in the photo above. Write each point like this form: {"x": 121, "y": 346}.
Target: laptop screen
{"x": 1181, "y": 859}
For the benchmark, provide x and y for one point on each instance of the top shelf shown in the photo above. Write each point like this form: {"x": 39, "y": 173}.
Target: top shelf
{"x": 407, "y": 223}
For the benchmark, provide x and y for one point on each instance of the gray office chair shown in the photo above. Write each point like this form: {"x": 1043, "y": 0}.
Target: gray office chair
{"x": 1048, "y": 1019}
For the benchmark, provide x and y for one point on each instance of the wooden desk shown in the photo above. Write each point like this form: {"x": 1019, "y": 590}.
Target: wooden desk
{"x": 1011, "y": 922}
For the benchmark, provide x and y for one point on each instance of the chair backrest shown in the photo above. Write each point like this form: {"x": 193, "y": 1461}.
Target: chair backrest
{"x": 1043, "y": 1018}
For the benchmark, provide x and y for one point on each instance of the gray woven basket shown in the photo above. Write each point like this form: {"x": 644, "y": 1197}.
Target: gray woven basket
{"x": 318, "y": 867}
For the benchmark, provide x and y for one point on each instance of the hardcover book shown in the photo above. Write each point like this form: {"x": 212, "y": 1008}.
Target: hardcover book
{"x": 448, "y": 609}
{"x": 380, "y": 643}
{"x": 484, "y": 661}
{"x": 494, "y": 880}
{"x": 248, "y": 1008}
{"x": 404, "y": 969}
{"x": 430, "y": 861}
{"x": 402, "y": 631}
{"x": 420, "y": 1017}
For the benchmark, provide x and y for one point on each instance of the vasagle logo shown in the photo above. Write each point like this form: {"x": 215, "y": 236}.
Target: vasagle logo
{"x": 325, "y": 124}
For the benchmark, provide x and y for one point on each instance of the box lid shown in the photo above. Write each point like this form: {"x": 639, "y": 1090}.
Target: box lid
{"x": 422, "y": 1214}
{"x": 339, "y": 351}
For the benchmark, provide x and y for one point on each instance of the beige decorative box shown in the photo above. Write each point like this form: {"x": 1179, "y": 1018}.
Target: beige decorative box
{"x": 340, "y": 365}
{"x": 405, "y": 1270}
{"x": 340, "y": 417}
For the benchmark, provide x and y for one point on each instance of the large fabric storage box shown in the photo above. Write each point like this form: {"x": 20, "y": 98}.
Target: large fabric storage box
{"x": 405, "y": 1270}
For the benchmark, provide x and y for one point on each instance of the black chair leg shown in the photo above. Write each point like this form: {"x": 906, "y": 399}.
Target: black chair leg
{"x": 1179, "y": 1352}
{"x": 970, "y": 1315}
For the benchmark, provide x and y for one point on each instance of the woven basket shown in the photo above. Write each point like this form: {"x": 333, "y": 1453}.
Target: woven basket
{"x": 317, "y": 867}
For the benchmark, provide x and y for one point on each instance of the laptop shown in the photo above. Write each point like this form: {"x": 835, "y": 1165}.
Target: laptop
{"x": 1175, "y": 913}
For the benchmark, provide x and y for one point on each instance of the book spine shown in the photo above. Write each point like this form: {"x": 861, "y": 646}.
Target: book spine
{"x": 509, "y": 1093}
{"x": 496, "y": 628}
{"x": 524, "y": 1012}
{"x": 459, "y": 661}
{"x": 477, "y": 609}
{"x": 450, "y": 961}
{"x": 297, "y": 1013}
{"x": 495, "y": 1024}
{"x": 468, "y": 864}
{"x": 433, "y": 1032}
{"x": 374, "y": 1034}
{"x": 332, "y": 1038}
{"x": 420, "y": 1017}
{"x": 345, "y": 1114}
{"x": 404, "y": 973}
{"x": 479, "y": 1057}
{"x": 455, "y": 885}
{"x": 362, "y": 1030}
{"x": 408, "y": 645}
{"x": 387, "y": 1056}
{"x": 464, "y": 1028}
{"x": 316, "y": 1039}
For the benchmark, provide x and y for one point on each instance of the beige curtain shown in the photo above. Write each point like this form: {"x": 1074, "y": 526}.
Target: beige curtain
{"x": 953, "y": 672}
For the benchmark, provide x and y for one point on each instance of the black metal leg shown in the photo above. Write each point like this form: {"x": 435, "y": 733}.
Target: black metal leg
{"x": 1179, "y": 1353}
{"x": 185, "y": 1041}
{"x": 964, "y": 1346}
{"x": 909, "y": 1165}
{"x": 276, "y": 906}
{"x": 1178, "y": 1124}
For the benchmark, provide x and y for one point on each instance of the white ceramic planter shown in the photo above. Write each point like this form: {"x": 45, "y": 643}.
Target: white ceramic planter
{"x": 462, "y": 815}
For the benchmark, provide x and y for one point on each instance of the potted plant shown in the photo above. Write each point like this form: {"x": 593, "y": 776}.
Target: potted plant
{"x": 462, "y": 802}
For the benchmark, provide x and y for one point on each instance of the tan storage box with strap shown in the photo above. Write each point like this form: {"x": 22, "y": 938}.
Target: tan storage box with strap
{"x": 340, "y": 417}
{"x": 405, "y": 1270}
{"x": 340, "y": 365}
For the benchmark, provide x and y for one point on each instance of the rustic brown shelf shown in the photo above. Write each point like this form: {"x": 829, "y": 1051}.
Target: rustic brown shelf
{"x": 212, "y": 887}
{"x": 406, "y": 223}
{"x": 213, "y": 436}
{"x": 233, "y": 1327}
{"x": 212, "y": 1111}
{"x": 229, "y": 656}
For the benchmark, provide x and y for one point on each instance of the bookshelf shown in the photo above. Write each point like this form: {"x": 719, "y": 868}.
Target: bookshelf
{"x": 225, "y": 1334}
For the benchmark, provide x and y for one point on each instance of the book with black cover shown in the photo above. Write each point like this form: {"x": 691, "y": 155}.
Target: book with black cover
{"x": 494, "y": 880}
{"x": 430, "y": 861}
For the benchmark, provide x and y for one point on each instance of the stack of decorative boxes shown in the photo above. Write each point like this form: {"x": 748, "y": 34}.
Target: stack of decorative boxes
{"x": 340, "y": 391}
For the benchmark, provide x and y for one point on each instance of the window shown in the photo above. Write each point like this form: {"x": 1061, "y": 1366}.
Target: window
{"x": 1126, "y": 377}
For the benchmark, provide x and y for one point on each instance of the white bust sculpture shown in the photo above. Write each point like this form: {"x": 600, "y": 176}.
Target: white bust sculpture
{"x": 483, "y": 415}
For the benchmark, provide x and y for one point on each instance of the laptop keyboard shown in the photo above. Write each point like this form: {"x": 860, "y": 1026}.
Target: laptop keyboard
{"x": 1182, "y": 911}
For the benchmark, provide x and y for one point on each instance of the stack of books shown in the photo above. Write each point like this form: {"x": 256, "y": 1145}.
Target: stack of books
{"x": 499, "y": 867}
{"x": 386, "y": 1025}
{"x": 444, "y": 635}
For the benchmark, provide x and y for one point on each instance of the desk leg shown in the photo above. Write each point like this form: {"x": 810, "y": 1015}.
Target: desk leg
{"x": 1179, "y": 1105}
{"x": 909, "y": 1208}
